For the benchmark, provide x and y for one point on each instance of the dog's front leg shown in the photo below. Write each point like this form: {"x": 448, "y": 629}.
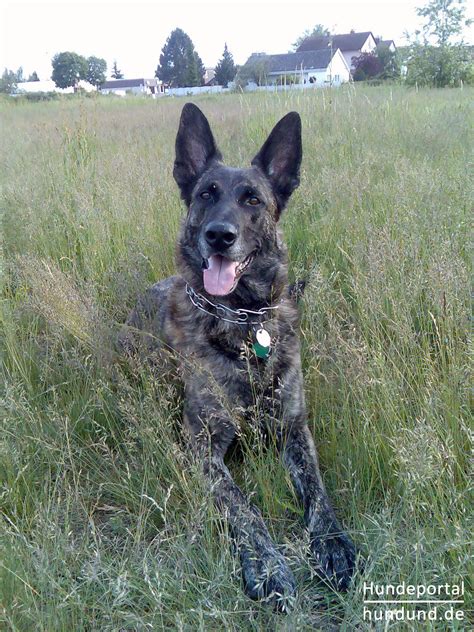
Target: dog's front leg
{"x": 265, "y": 572}
{"x": 332, "y": 549}
{"x": 264, "y": 569}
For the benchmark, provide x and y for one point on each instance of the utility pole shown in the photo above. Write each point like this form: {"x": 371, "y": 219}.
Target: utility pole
{"x": 330, "y": 64}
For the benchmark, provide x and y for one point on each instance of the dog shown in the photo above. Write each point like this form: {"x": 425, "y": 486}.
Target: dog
{"x": 232, "y": 323}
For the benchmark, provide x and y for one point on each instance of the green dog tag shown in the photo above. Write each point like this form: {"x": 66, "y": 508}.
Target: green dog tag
{"x": 262, "y": 344}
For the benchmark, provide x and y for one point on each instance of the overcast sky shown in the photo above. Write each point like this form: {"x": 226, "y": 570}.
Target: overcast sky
{"x": 135, "y": 32}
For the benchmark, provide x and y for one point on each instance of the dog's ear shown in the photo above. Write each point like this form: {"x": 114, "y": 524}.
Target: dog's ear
{"x": 195, "y": 149}
{"x": 280, "y": 158}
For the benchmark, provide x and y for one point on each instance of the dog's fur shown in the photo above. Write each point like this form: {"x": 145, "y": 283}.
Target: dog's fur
{"x": 226, "y": 384}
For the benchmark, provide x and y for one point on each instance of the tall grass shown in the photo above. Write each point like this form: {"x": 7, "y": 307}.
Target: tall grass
{"x": 106, "y": 525}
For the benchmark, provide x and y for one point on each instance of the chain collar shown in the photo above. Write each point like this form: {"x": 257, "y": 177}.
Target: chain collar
{"x": 229, "y": 315}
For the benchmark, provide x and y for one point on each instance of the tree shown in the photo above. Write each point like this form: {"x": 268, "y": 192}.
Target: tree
{"x": 366, "y": 66}
{"x": 254, "y": 70}
{"x": 440, "y": 57}
{"x": 96, "y": 71}
{"x": 33, "y": 76}
{"x": 194, "y": 74}
{"x": 180, "y": 66}
{"x": 391, "y": 63}
{"x": 10, "y": 79}
{"x": 439, "y": 66}
{"x": 68, "y": 69}
{"x": 225, "y": 69}
{"x": 8, "y": 82}
{"x": 116, "y": 73}
{"x": 382, "y": 64}
{"x": 444, "y": 20}
{"x": 317, "y": 31}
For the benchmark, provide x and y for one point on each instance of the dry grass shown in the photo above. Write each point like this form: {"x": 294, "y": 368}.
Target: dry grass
{"x": 106, "y": 525}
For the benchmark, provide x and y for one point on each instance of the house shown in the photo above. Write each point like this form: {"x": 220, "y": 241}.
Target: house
{"x": 26, "y": 87}
{"x": 210, "y": 77}
{"x": 350, "y": 44}
{"x": 320, "y": 67}
{"x": 390, "y": 44}
{"x": 122, "y": 87}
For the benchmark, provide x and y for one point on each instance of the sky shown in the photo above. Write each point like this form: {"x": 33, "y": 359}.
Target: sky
{"x": 134, "y": 33}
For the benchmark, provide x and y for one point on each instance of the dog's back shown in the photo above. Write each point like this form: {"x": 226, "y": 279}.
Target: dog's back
{"x": 145, "y": 327}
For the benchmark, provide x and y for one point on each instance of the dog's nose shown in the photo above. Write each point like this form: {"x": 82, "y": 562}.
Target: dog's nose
{"x": 220, "y": 235}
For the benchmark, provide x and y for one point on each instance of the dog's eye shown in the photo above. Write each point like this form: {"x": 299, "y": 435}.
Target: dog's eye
{"x": 253, "y": 200}
{"x": 205, "y": 195}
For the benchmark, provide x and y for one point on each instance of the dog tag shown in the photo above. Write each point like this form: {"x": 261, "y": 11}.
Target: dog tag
{"x": 262, "y": 344}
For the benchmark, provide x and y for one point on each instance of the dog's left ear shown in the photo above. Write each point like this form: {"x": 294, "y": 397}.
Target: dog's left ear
{"x": 280, "y": 158}
{"x": 195, "y": 149}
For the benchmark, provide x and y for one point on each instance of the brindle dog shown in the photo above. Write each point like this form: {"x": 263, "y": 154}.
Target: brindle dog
{"x": 233, "y": 326}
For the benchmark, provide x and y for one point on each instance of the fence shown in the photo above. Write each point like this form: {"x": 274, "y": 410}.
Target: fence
{"x": 251, "y": 87}
{"x": 188, "y": 92}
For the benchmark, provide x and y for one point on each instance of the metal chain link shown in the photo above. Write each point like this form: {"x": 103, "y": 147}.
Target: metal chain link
{"x": 199, "y": 301}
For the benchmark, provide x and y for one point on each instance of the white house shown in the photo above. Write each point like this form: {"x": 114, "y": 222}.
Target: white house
{"x": 122, "y": 87}
{"x": 210, "y": 77}
{"x": 350, "y": 44}
{"x": 320, "y": 67}
{"x": 49, "y": 86}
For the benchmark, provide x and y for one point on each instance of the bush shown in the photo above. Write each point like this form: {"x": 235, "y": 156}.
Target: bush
{"x": 439, "y": 66}
{"x": 288, "y": 80}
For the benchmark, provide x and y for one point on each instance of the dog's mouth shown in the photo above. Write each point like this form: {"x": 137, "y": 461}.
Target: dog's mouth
{"x": 221, "y": 275}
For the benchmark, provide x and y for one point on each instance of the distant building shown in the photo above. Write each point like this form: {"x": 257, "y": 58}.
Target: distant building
{"x": 26, "y": 87}
{"x": 350, "y": 44}
{"x": 390, "y": 44}
{"x": 320, "y": 67}
{"x": 210, "y": 77}
{"x": 122, "y": 87}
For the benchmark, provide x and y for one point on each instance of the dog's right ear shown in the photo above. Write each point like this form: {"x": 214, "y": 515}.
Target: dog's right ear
{"x": 195, "y": 149}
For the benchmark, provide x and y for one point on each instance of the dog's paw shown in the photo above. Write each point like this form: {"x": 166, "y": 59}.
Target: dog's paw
{"x": 334, "y": 558}
{"x": 268, "y": 578}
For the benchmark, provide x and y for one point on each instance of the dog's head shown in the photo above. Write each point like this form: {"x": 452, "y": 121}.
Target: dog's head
{"x": 229, "y": 244}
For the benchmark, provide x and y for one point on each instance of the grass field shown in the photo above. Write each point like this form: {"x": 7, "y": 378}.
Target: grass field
{"x": 106, "y": 524}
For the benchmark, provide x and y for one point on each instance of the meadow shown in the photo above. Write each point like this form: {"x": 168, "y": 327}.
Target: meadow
{"x": 106, "y": 523}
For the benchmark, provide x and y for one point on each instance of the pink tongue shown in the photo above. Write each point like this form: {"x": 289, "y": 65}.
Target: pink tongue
{"x": 219, "y": 278}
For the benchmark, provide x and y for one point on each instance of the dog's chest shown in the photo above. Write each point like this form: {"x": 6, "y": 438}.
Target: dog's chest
{"x": 223, "y": 370}
{"x": 241, "y": 379}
